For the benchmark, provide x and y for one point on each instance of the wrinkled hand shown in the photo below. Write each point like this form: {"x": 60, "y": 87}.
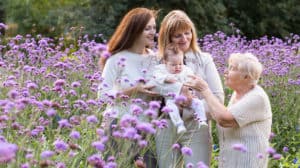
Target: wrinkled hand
{"x": 170, "y": 80}
{"x": 147, "y": 89}
{"x": 196, "y": 83}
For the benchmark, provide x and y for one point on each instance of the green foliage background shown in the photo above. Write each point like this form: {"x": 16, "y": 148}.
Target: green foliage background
{"x": 51, "y": 18}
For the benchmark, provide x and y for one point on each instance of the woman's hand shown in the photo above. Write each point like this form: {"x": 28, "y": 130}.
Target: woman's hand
{"x": 196, "y": 83}
{"x": 146, "y": 89}
{"x": 140, "y": 88}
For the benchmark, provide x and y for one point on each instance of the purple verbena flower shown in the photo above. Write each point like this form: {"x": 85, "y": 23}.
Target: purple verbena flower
{"x": 96, "y": 161}
{"x": 25, "y": 165}
{"x": 270, "y": 150}
{"x": 75, "y": 134}
{"x": 277, "y": 156}
{"x": 272, "y": 135}
{"x": 60, "y": 145}
{"x": 142, "y": 143}
{"x": 47, "y": 154}
{"x": 32, "y": 85}
{"x": 160, "y": 123}
{"x": 75, "y": 84}
{"x": 99, "y": 146}
{"x": 111, "y": 165}
{"x": 7, "y": 152}
{"x": 180, "y": 98}
{"x": 100, "y": 132}
{"x": 186, "y": 151}
{"x": 111, "y": 159}
{"x": 127, "y": 120}
{"x": 12, "y": 94}
{"x": 176, "y": 146}
{"x": 60, "y": 165}
{"x": 106, "y": 54}
{"x": 29, "y": 155}
{"x": 51, "y": 112}
{"x": 129, "y": 133}
{"x": 117, "y": 134}
{"x": 59, "y": 82}
{"x": 64, "y": 123}
{"x": 151, "y": 113}
{"x": 189, "y": 165}
{"x": 285, "y": 149}
{"x": 3, "y": 26}
{"x": 146, "y": 127}
{"x": 136, "y": 110}
{"x": 239, "y": 147}
{"x": 259, "y": 155}
{"x": 92, "y": 119}
{"x": 154, "y": 105}
{"x": 166, "y": 109}
{"x": 171, "y": 95}
{"x": 201, "y": 165}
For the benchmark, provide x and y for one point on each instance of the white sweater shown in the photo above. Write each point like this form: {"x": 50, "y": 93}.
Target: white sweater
{"x": 254, "y": 117}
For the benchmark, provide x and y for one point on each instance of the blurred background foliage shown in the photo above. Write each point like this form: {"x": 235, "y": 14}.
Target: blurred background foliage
{"x": 55, "y": 18}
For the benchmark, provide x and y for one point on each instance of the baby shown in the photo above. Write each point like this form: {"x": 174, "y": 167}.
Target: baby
{"x": 173, "y": 70}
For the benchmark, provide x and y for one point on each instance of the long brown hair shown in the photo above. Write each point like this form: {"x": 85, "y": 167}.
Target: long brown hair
{"x": 129, "y": 29}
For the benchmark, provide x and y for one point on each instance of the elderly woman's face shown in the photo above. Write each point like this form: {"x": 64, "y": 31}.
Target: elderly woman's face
{"x": 183, "y": 39}
{"x": 233, "y": 77}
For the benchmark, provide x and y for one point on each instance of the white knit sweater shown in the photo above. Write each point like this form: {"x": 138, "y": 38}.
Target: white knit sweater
{"x": 254, "y": 117}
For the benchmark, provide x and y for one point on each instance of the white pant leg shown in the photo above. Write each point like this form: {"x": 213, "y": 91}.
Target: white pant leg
{"x": 199, "y": 140}
{"x": 164, "y": 139}
{"x": 174, "y": 115}
{"x": 198, "y": 107}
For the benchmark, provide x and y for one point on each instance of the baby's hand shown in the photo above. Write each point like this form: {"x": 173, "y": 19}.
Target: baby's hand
{"x": 170, "y": 80}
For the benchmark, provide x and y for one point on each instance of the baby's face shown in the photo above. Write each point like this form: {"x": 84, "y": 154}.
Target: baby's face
{"x": 174, "y": 64}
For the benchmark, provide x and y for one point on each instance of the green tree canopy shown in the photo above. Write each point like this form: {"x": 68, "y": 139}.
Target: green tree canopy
{"x": 55, "y": 17}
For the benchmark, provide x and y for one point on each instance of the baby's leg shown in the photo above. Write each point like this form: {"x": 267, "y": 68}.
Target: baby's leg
{"x": 198, "y": 108}
{"x": 175, "y": 116}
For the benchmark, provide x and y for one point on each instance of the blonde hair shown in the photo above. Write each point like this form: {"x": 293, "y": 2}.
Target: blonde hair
{"x": 248, "y": 64}
{"x": 174, "y": 21}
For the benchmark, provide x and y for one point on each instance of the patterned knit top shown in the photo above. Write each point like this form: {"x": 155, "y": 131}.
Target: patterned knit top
{"x": 254, "y": 117}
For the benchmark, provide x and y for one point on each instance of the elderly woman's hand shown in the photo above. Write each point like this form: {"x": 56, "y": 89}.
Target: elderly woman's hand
{"x": 196, "y": 83}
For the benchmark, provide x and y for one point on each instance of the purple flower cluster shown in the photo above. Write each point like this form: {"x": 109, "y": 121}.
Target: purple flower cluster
{"x": 48, "y": 97}
{"x": 7, "y": 152}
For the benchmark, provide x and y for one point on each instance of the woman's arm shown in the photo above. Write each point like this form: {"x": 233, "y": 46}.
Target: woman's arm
{"x": 109, "y": 76}
{"x": 217, "y": 110}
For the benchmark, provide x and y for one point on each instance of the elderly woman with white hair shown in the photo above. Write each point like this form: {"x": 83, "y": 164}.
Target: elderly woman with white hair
{"x": 245, "y": 124}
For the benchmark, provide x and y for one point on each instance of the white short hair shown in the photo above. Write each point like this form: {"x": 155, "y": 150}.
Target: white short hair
{"x": 248, "y": 64}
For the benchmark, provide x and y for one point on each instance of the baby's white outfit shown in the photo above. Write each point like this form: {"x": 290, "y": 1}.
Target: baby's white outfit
{"x": 160, "y": 73}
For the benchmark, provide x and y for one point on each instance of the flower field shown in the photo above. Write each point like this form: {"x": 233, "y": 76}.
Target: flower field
{"x": 50, "y": 115}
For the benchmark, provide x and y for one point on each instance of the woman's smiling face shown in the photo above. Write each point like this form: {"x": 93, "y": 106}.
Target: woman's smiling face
{"x": 182, "y": 39}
